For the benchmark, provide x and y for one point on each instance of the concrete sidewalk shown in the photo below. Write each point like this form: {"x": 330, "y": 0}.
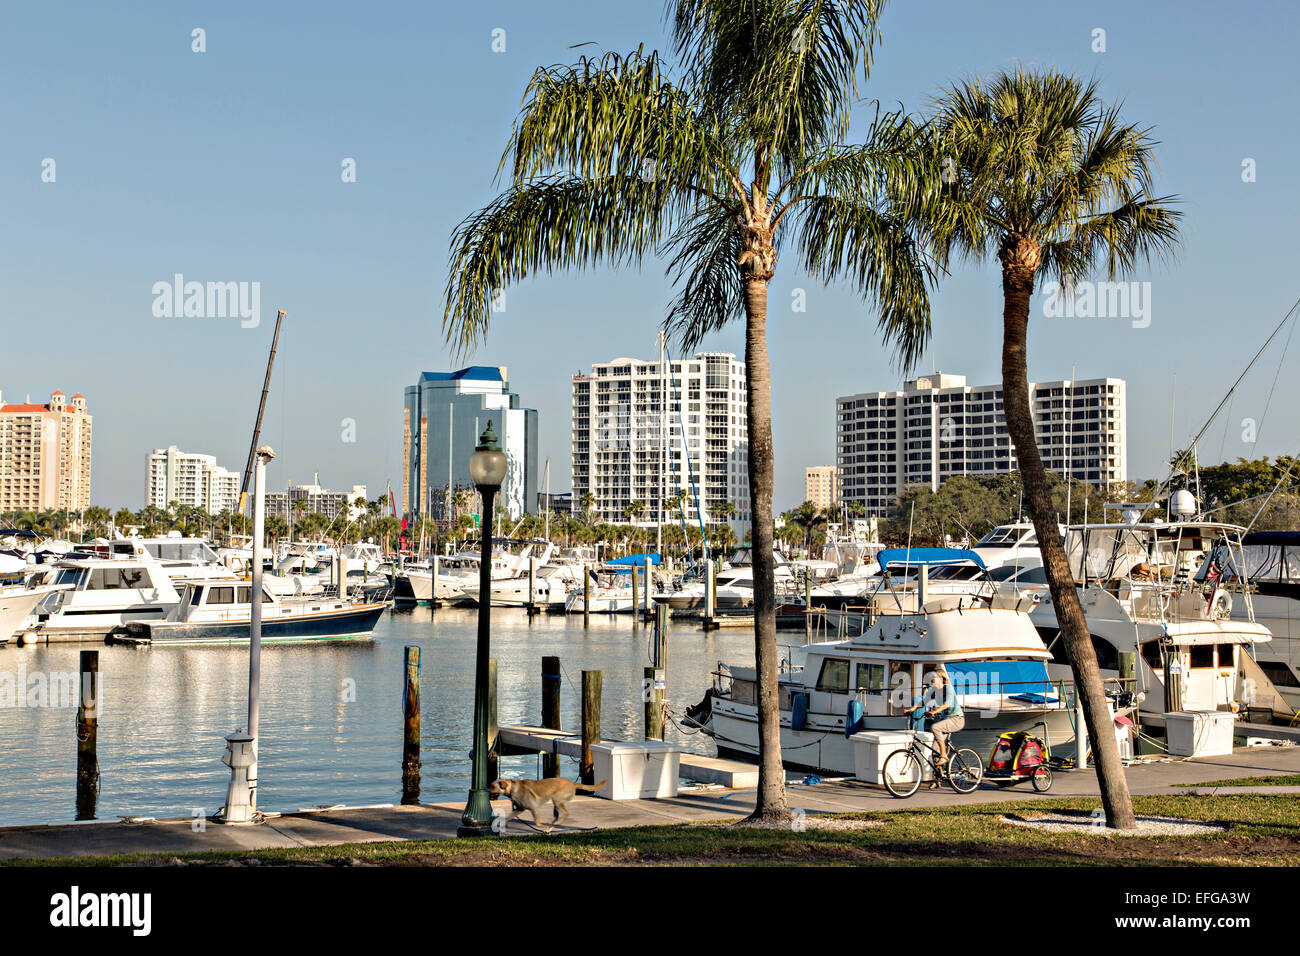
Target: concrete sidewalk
{"x": 439, "y": 821}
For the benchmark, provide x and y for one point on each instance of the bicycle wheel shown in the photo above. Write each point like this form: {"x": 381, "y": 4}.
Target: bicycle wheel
{"x": 1042, "y": 779}
{"x": 965, "y": 770}
{"x": 901, "y": 773}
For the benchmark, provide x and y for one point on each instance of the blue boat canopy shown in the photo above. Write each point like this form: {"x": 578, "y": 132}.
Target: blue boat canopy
{"x": 915, "y": 557}
{"x": 637, "y": 560}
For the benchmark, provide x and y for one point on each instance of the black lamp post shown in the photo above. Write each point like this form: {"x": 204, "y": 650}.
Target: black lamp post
{"x": 487, "y": 468}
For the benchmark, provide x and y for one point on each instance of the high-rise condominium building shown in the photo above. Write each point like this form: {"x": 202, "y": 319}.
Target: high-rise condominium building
{"x": 821, "y": 485}
{"x": 318, "y": 500}
{"x": 445, "y": 414}
{"x": 938, "y": 427}
{"x": 45, "y": 455}
{"x": 644, "y": 432}
{"x": 172, "y": 475}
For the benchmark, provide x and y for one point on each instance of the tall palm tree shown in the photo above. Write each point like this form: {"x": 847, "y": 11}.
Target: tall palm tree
{"x": 1046, "y": 177}
{"x": 809, "y": 518}
{"x": 612, "y": 163}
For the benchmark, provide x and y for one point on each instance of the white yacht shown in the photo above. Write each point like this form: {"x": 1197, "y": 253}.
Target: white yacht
{"x": 1145, "y": 588}
{"x": 989, "y": 646}
{"x": 17, "y": 604}
{"x": 1270, "y": 571}
{"x": 104, "y": 596}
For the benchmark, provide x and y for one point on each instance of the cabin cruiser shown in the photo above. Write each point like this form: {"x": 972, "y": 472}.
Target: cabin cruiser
{"x": 17, "y": 603}
{"x": 1011, "y": 545}
{"x": 550, "y": 585}
{"x": 735, "y": 586}
{"x": 417, "y": 582}
{"x": 989, "y": 647}
{"x": 1269, "y": 571}
{"x": 1147, "y": 588}
{"x": 96, "y": 597}
{"x": 219, "y": 612}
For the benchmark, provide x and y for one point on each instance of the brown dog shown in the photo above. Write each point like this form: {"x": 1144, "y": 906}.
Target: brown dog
{"x": 535, "y": 794}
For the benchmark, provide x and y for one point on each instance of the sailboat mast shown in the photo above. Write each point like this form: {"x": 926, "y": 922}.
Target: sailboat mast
{"x": 663, "y": 445}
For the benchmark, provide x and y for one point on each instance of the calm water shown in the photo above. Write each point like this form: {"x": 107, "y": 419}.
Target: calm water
{"x": 166, "y": 711}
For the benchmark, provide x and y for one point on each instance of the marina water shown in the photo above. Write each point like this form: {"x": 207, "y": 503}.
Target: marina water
{"x": 331, "y": 714}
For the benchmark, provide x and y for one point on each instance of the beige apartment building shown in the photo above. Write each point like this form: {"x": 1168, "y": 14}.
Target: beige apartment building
{"x": 45, "y": 455}
{"x": 821, "y": 485}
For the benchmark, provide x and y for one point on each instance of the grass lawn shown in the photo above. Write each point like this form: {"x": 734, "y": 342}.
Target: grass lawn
{"x": 1276, "y": 780}
{"x": 1262, "y": 830}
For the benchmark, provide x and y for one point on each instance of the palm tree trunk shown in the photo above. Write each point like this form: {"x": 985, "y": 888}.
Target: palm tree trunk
{"x": 771, "y": 802}
{"x": 1017, "y": 286}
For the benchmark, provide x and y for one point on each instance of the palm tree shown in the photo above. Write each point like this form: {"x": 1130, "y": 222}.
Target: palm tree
{"x": 610, "y": 162}
{"x": 1047, "y": 177}
{"x": 809, "y": 518}
{"x": 633, "y": 510}
{"x": 588, "y": 502}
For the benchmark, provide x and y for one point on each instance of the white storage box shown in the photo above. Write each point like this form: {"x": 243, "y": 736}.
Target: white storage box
{"x": 636, "y": 769}
{"x": 871, "y": 748}
{"x": 1200, "y": 733}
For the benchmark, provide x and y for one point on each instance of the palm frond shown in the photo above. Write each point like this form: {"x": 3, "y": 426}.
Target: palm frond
{"x": 559, "y": 222}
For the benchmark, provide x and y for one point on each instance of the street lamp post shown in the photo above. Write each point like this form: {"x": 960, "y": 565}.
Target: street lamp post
{"x": 487, "y": 468}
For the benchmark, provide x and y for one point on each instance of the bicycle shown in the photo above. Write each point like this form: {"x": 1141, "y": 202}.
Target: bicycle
{"x": 903, "y": 769}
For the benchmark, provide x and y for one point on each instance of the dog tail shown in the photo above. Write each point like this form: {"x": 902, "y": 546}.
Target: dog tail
{"x": 589, "y": 787}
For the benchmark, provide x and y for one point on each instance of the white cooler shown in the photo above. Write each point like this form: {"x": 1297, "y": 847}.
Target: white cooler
{"x": 1200, "y": 733}
{"x": 636, "y": 769}
{"x": 871, "y": 748}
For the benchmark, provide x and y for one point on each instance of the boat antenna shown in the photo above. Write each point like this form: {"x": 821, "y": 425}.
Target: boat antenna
{"x": 1069, "y": 448}
{"x": 1224, "y": 401}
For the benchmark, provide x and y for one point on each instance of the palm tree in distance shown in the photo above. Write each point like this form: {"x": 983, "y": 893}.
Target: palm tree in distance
{"x": 744, "y": 153}
{"x": 1044, "y": 176}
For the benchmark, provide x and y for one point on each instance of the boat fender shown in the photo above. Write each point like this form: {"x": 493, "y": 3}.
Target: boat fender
{"x": 798, "y": 711}
{"x": 853, "y": 717}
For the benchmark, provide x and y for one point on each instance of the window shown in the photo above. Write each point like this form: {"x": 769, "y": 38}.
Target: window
{"x": 1202, "y": 655}
{"x": 225, "y": 595}
{"x": 871, "y": 678}
{"x": 1225, "y": 655}
{"x": 1279, "y": 673}
{"x": 834, "y": 676}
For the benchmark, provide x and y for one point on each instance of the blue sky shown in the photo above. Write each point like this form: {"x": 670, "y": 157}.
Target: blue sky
{"x": 225, "y": 166}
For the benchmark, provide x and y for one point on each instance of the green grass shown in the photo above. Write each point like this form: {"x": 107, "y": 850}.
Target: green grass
{"x": 1275, "y": 780}
{"x": 1262, "y": 830}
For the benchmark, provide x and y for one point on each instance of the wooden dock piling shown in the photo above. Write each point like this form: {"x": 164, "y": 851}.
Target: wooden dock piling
{"x": 586, "y": 594}
{"x": 493, "y": 755}
{"x": 655, "y": 686}
{"x": 551, "y": 710}
{"x": 88, "y": 737}
{"x": 636, "y": 602}
{"x": 591, "y": 683}
{"x": 411, "y": 726}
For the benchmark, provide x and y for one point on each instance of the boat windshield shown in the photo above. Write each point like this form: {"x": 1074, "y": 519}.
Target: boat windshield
{"x": 1004, "y": 536}
{"x": 1258, "y": 562}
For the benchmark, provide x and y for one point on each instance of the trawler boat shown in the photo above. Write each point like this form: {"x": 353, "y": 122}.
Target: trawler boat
{"x": 99, "y": 597}
{"x": 989, "y": 647}
{"x": 216, "y": 612}
{"x": 550, "y": 587}
{"x": 1270, "y": 571}
{"x": 1146, "y": 587}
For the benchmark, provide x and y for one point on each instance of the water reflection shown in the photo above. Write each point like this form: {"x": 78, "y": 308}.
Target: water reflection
{"x": 332, "y": 715}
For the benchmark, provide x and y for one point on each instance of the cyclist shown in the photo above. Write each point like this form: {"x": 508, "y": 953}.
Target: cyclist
{"x": 945, "y": 714}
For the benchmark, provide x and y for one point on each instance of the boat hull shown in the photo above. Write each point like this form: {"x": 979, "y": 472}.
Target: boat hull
{"x": 353, "y": 623}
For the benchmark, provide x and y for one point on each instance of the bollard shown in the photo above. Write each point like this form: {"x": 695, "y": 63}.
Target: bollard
{"x": 88, "y": 737}
{"x": 591, "y": 682}
{"x": 411, "y": 726}
{"x": 551, "y": 710}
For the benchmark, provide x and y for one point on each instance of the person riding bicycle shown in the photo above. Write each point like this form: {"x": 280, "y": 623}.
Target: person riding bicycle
{"x": 945, "y": 714}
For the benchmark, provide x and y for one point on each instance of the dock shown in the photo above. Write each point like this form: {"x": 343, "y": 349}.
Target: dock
{"x": 521, "y": 740}
{"x": 333, "y": 826}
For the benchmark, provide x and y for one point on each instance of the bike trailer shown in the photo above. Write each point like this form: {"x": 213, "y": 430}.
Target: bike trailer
{"x": 1017, "y": 754}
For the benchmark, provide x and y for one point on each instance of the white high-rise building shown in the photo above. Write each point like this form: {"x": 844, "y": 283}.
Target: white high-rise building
{"x": 643, "y": 431}
{"x": 189, "y": 479}
{"x": 938, "y": 427}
